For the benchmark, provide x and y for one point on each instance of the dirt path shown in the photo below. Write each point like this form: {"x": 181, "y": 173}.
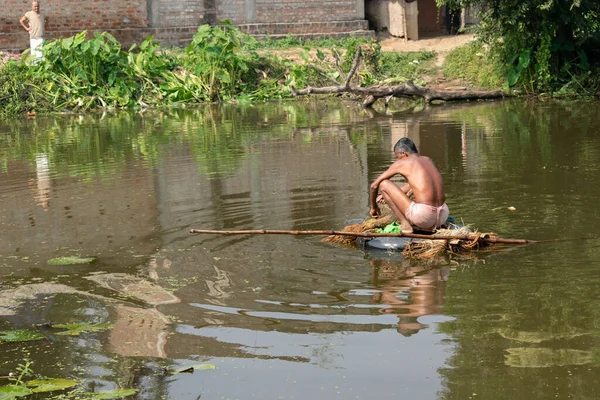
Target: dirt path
{"x": 442, "y": 45}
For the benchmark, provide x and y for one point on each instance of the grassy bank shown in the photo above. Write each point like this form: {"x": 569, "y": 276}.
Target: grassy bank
{"x": 475, "y": 65}
{"x": 220, "y": 65}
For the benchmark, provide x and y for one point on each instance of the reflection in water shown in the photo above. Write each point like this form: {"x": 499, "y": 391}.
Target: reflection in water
{"x": 411, "y": 290}
{"x": 42, "y": 172}
{"x": 292, "y": 316}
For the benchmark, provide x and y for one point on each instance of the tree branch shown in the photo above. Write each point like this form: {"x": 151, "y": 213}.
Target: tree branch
{"x": 407, "y": 89}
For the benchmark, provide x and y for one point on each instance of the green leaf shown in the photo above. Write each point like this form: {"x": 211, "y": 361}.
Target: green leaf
{"x": 320, "y": 55}
{"x": 112, "y": 394}
{"x": 79, "y": 38}
{"x": 67, "y": 43}
{"x": 305, "y": 55}
{"x": 192, "y": 368}
{"x": 70, "y": 260}
{"x": 394, "y": 227}
{"x": 20, "y": 335}
{"x": 524, "y": 59}
{"x": 52, "y": 384}
{"x": 583, "y": 64}
{"x": 75, "y": 329}
{"x": 223, "y": 76}
{"x": 95, "y": 45}
{"x": 85, "y": 46}
{"x": 513, "y": 76}
{"x": 111, "y": 77}
{"x": 13, "y": 391}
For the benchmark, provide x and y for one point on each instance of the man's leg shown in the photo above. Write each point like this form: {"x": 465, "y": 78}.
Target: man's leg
{"x": 398, "y": 202}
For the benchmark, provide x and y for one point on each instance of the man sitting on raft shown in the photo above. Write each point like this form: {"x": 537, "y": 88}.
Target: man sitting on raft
{"x": 428, "y": 211}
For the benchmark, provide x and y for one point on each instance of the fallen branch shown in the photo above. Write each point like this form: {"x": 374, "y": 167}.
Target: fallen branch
{"x": 408, "y": 89}
{"x": 487, "y": 238}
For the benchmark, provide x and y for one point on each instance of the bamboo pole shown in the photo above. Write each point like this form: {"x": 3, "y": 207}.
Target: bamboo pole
{"x": 473, "y": 236}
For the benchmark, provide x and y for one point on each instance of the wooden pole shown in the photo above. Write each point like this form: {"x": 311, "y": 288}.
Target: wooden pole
{"x": 483, "y": 237}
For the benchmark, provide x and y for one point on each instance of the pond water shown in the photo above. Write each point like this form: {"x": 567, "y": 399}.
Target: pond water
{"x": 287, "y": 317}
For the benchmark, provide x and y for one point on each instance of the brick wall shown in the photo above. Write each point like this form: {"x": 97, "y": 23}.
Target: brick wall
{"x": 235, "y": 11}
{"x": 78, "y": 14}
{"x": 179, "y": 13}
{"x": 175, "y": 21}
{"x": 305, "y": 10}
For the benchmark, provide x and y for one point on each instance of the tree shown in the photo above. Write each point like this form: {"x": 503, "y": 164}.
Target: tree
{"x": 546, "y": 44}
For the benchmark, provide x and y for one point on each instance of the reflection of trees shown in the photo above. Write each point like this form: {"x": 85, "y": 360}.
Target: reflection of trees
{"x": 517, "y": 150}
{"x": 531, "y": 325}
{"x": 217, "y": 136}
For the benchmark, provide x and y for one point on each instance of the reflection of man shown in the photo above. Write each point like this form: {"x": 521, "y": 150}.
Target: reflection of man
{"x": 409, "y": 291}
{"x": 43, "y": 180}
{"x": 36, "y": 27}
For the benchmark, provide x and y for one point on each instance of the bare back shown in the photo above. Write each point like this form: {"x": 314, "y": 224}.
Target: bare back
{"x": 424, "y": 179}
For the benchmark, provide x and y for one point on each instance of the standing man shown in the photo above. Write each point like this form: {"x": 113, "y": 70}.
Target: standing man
{"x": 36, "y": 28}
{"x": 428, "y": 211}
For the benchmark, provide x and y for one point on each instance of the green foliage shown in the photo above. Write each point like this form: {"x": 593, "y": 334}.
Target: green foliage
{"x": 10, "y": 392}
{"x": 23, "y": 370}
{"x": 77, "y": 328}
{"x": 110, "y": 395}
{"x": 51, "y": 384}
{"x": 404, "y": 66}
{"x": 18, "y": 92}
{"x": 474, "y": 64}
{"x": 20, "y": 335}
{"x": 214, "y": 59}
{"x": 290, "y": 41}
{"x": 70, "y": 260}
{"x": 546, "y": 44}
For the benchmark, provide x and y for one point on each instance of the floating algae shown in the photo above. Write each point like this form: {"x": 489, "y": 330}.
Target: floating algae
{"x": 70, "y": 260}
{"x": 51, "y": 384}
{"x": 113, "y": 394}
{"x": 541, "y": 357}
{"x": 11, "y": 392}
{"x": 20, "y": 335}
{"x": 77, "y": 328}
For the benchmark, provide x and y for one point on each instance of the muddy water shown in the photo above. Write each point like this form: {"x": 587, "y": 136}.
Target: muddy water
{"x": 285, "y": 317}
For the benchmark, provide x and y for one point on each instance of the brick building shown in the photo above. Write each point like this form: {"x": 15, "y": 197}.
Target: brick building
{"x": 175, "y": 21}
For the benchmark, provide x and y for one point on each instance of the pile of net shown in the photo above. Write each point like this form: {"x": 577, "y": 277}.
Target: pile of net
{"x": 460, "y": 239}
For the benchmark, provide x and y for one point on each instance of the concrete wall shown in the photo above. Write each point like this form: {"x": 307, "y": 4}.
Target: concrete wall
{"x": 175, "y": 21}
{"x": 402, "y": 19}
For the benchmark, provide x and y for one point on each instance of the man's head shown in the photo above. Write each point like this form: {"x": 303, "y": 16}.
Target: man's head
{"x": 35, "y": 6}
{"x": 405, "y": 145}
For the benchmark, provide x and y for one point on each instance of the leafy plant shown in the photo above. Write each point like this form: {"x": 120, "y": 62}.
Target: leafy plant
{"x": 77, "y": 328}
{"x": 20, "y": 335}
{"x": 544, "y": 43}
{"x": 214, "y": 59}
{"x": 23, "y": 370}
{"x": 70, "y": 260}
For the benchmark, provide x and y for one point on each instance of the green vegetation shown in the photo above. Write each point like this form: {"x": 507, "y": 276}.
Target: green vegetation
{"x": 70, "y": 260}
{"x": 20, "y": 335}
{"x": 219, "y": 65}
{"x": 474, "y": 64}
{"x": 545, "y": 45}
{"x": 222, "y": 64}
{"x": 291, "y": 41}
{"x": 77, "y": 328}
{"x": 21, "y": 387}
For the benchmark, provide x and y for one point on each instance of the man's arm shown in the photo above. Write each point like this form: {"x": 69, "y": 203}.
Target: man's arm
{"x": 374, "y": 188}
{"x": 22, "y": 22}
